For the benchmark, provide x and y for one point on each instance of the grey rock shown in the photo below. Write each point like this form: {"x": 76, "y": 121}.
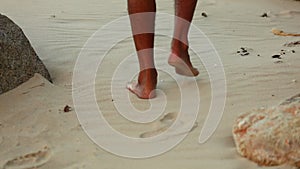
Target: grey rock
{"x": 18, "y": 60}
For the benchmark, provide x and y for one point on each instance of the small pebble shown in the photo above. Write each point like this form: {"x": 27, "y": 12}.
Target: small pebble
{"x": 243, "y": 51}
{"x": 67, "y": 109}
{"x": 264, "y": 15}
{"x": 245, "y": 54}
{"x": 204, "y": 14}
{"x": 294, "y": 81}
{"x": 277, "y": 56}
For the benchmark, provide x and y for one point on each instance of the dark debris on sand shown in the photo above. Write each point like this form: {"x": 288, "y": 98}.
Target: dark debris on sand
{"x": 292, "y": 44}
{"x": 204, "y": 14}
{"x": 276, "y": 57}
{"x": 264, "y": 15}
{"x": 279, "y": 56}
{"x": 67, "y": 109}
{"x": 243, "y": 51}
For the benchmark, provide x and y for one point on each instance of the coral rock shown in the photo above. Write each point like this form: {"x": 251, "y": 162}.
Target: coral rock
{"x": 271, "y": 136}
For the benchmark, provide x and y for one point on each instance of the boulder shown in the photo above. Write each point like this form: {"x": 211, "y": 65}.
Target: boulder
{"x": 18, "y": 60}
{"x": 270, "y": 136}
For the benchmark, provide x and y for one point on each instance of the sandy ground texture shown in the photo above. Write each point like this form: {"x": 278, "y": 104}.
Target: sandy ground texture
{"x": 36, "y": 132}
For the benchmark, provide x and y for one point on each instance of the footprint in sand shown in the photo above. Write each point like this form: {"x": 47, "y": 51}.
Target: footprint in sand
{"x": 30, "y": 160}
{"x": 1, "y": 140}
{"x": 169, "y": 118}
{"x": 165, "y": 123}
{"x": 288, "y": 13}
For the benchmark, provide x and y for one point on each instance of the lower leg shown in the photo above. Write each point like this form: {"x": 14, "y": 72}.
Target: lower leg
{"x": 142, "y": 17}
{"x": 184, "y": 11}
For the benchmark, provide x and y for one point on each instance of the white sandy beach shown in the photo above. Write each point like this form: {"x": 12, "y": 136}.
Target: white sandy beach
{"x": 32, "y": 115}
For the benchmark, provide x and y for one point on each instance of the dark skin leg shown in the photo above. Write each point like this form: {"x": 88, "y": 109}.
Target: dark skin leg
{"x": 179, "y": 57}
{"x": 143, "y": 34}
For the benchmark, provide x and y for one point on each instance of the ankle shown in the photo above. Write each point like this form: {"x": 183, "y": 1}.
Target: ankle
{"x": 179, "y": 48}
{"x": 148, "y": 76}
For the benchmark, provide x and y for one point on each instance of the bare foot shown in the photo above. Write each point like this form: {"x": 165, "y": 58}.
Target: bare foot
{"x": 145, "y": 87}
{"x": 183, "y": 65}
{"x": 180, "y": 59}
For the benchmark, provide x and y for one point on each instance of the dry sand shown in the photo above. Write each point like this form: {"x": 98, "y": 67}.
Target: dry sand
{"x": 32, "y": 115}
